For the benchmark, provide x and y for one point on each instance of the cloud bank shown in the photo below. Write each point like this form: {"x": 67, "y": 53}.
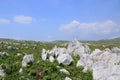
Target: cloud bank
{"x": 23, "y": 19}
{"x": 4, "y": 21}
{"x": 94, "y": 30}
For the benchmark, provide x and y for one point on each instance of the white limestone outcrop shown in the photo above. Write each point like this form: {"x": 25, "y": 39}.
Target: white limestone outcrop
{"x": 67, "y": 78}
{"x": 3, "y": 54}
{"x": 2, "y": 73}
{"x": 26, "y": 59}
{"x": 65, "y": 71}
{"x": 104, "y": 71}
{"x": 65, "y": 59}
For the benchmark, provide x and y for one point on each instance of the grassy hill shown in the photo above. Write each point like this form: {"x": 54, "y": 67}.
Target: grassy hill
{"x": 102, "y": 44}
{"x": 39, "y": 69}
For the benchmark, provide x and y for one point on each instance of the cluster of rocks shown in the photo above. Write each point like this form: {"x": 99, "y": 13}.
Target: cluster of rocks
{"x": 64, "y": 55}
{"x": 106, "y": 61}
{"x": 2, "y": 73}
{"x": 104, "y": 64}
{"x": 27, "y": 59}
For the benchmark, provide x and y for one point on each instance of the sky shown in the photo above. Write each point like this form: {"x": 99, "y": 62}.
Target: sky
{"x": 47, "y": 20}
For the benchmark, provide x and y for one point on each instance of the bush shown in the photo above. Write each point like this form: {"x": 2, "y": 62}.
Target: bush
{"x": 47, "y": 77}
{"x": 32, "y": 73}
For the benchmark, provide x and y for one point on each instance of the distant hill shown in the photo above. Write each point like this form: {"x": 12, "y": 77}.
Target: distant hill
{"x": 107, "y": 43}
{"x": 115, "y": 41}
{"x": 59, "y": 41}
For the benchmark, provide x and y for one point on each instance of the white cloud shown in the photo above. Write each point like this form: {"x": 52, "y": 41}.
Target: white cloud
{"x": 23, "y": 19}
{"x": 4, "y": 21}
{"x": 49, "y": 36}
{"x": 84, "y": 29}
{"x": 97, "y": 27}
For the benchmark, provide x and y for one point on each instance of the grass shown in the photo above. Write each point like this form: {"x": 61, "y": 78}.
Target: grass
{"x": 39, "y": 69}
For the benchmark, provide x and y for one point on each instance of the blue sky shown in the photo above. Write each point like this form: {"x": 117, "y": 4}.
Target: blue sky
{"x": 59, "y": 19}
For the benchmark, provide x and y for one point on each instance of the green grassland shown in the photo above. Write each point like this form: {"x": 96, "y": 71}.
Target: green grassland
{"x": 39, "y": 69}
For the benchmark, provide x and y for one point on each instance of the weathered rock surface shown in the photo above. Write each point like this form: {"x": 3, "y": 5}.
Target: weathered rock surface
{"x": 85, "y": 61}
{"x": 21, "y": 71}
{"x": 104, "y": 71}
{"x": 67, "y": 78}
{"x": 65, "y": 59}
{"x": 2, "y": 72}
{"x": 9, "y": 47}
{"x": 26, "y": 59}
{"x": 44, "y": 54}
{"x": 58, "y": 51}
{"x": 105, "y": 64}
{"x": 65, "y": 71}
{"x": 116, "y": 50}
{"x": 77, "y": 48}
{"x": 51, "y": 59}
{"x": 3, "y": 54}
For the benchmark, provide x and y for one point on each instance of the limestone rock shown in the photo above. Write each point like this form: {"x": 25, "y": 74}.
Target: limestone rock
{"x": 26, "y": 59}
{"x": 95, "y": 54}
{"x": 65, "y": 59}
{"x": 54, "y": 52}
{"x": 77, "y": 48}
{"x": 3, "y": 54}
{"x": 67, "y": 78}
{"x": 2, "y": 72}
{"x": 104, "y": 71}
{"x": 108, "y": 50}
{"x": 65, "y": 71}
{"x": 9, "y": 47}
{"x": 80, "y": 63}
{"x": 21, "y": 71}
{"x": 51, "y": 58}
{"x": 18, "y": 54}
{"x": 116, "y": 50}
{"x": 85, "y": 61}
{"x": 44, "y": 54}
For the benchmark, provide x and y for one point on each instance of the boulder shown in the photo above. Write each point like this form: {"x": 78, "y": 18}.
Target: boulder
{"x": 108, "y": 50}
{"x": 104, "y": 71}
{"x": 95, "y": 54}
{"x": 62, "y": 51}
{"x": 67, "y": 78}
{"x": 55, "y": 51}
{"x": 21, "y": 71}
{"x": 26, "y": 59}
{"x": 51, "y": 58}
{"x": 9, "y": 47}
{"x": 58, "y": 51}
{"x": 64, "y": 71}
{"x": 2, "y": 72}
{"x": 76, "y": 48}
{"x": 116, "y": 50}
{"x": 18, "y": 54}
{"x": 65, "y": 59}
{"x": 85, "y": 62}
{"x": 80, "y": 63}
{"x": 44, "y": 54}
{"x": 3, "y": 54}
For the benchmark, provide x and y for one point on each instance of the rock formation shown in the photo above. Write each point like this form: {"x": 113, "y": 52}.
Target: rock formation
{"x": 26, "y": 59}
{"x": 105, "y": 64}
{"x": 3, "y": 54}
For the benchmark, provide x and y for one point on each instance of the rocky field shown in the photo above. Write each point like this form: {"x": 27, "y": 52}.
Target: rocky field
{"x": 35, "y": 60}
